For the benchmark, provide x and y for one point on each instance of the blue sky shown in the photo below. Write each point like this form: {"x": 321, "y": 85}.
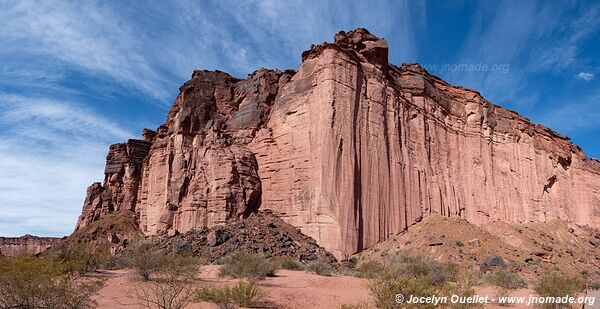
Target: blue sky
{"x": 77, "y": 76}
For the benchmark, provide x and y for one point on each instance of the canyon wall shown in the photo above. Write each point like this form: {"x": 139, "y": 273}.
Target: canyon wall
{"x": 25, "y": 245}
{"x": 349, "y": 148}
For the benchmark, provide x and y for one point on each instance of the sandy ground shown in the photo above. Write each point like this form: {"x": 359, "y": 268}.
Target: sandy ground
{"x": 289, "y": 289}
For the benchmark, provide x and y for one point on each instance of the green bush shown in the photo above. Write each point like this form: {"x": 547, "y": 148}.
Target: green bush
{"x": 245, "y": 294}
{"x": 29, "y": 282}
{"x": 554, "y": 284}
{"x": 244, "y": 265}
{"x": 286, "y": 262}
{"x": 321, "y": 266}
{"x": 505, "y": 279}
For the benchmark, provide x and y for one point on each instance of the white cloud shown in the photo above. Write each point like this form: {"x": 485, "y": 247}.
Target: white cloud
{"x": 86, "y": 36}
{"x": 585, "y": 76}
{"x": 563, "y": 53}
{"x": 533, "y": 37}
{"x": 49, "y": 152}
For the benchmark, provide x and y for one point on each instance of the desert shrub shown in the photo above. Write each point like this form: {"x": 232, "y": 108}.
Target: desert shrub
{"x": 245, "y": 294}
{"x": 118, "y": 261}
{"x": 170, "y": 285}
{"x": 244, "y": 265}
{"x": 74, "y": 258}
{"x": 29, "y": 282}
{"x": 554, "y": 284}
{"x": 411, "y": 265}
{"x": 287, "y": 262}
{"x": 385, "y": 287}
{"x": 345, "y": 270}
{"x": 419, "y": 276}
{"x": 505, "y": 279}
{"x": 145, "y": 260}
{"x": 369, "y": 269}
{"x": 321, "y": 266}
{"x": 170, "y": 290}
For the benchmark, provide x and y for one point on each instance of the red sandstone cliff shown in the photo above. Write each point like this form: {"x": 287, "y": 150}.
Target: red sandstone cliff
{"x": 349, "y": 148}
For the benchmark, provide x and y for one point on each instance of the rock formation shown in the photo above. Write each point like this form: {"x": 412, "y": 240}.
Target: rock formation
{"x": 350, "y": 149}
{"x": 25, "y": 245}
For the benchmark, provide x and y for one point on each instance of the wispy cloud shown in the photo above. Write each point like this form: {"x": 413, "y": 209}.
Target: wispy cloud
{"x": 585, "y": 76}
{"x": 523, "y": 35}
{"x": 563, "y": 53}
{"x": 49, "y": 152}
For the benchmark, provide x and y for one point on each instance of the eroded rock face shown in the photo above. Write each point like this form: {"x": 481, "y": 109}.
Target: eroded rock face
{"x": 122, "y": 176}
{"x": 351, "y": 150}
{"x": 25, "y": 245}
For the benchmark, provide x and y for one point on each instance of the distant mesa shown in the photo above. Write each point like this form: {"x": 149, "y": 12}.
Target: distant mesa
{"x": 25, "y": 245}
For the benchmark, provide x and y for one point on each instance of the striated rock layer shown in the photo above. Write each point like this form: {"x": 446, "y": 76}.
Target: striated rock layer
{"x": 25, "y": 245}
{"x": 349, "y": 148}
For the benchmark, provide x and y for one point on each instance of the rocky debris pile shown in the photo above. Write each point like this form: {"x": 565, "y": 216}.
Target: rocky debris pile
{"x": 109, "y": 235}
{"x": 262, "y": 233}
{"x": 531, "y": 249}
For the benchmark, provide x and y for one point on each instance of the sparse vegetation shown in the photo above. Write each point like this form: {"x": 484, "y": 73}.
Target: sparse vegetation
{"x": 409, "y": 274}
{"x": 555, "y": 284}
{"x": 287, "y": 262}
{"x": 505, "y": 279}
{"x": 244, "y": 265}
{"x": 321, "y": 266}
{"x": 369, "y": 269}
{"x": 167, "y": 285}
{"x": 29, "y": 282}
{"x": 75, "y": 258}
{"x": 170, "y": 290}
{"x": 245, "y": 294}
{"x": 411, "y": 265}
{"x": 146, "y": 260}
